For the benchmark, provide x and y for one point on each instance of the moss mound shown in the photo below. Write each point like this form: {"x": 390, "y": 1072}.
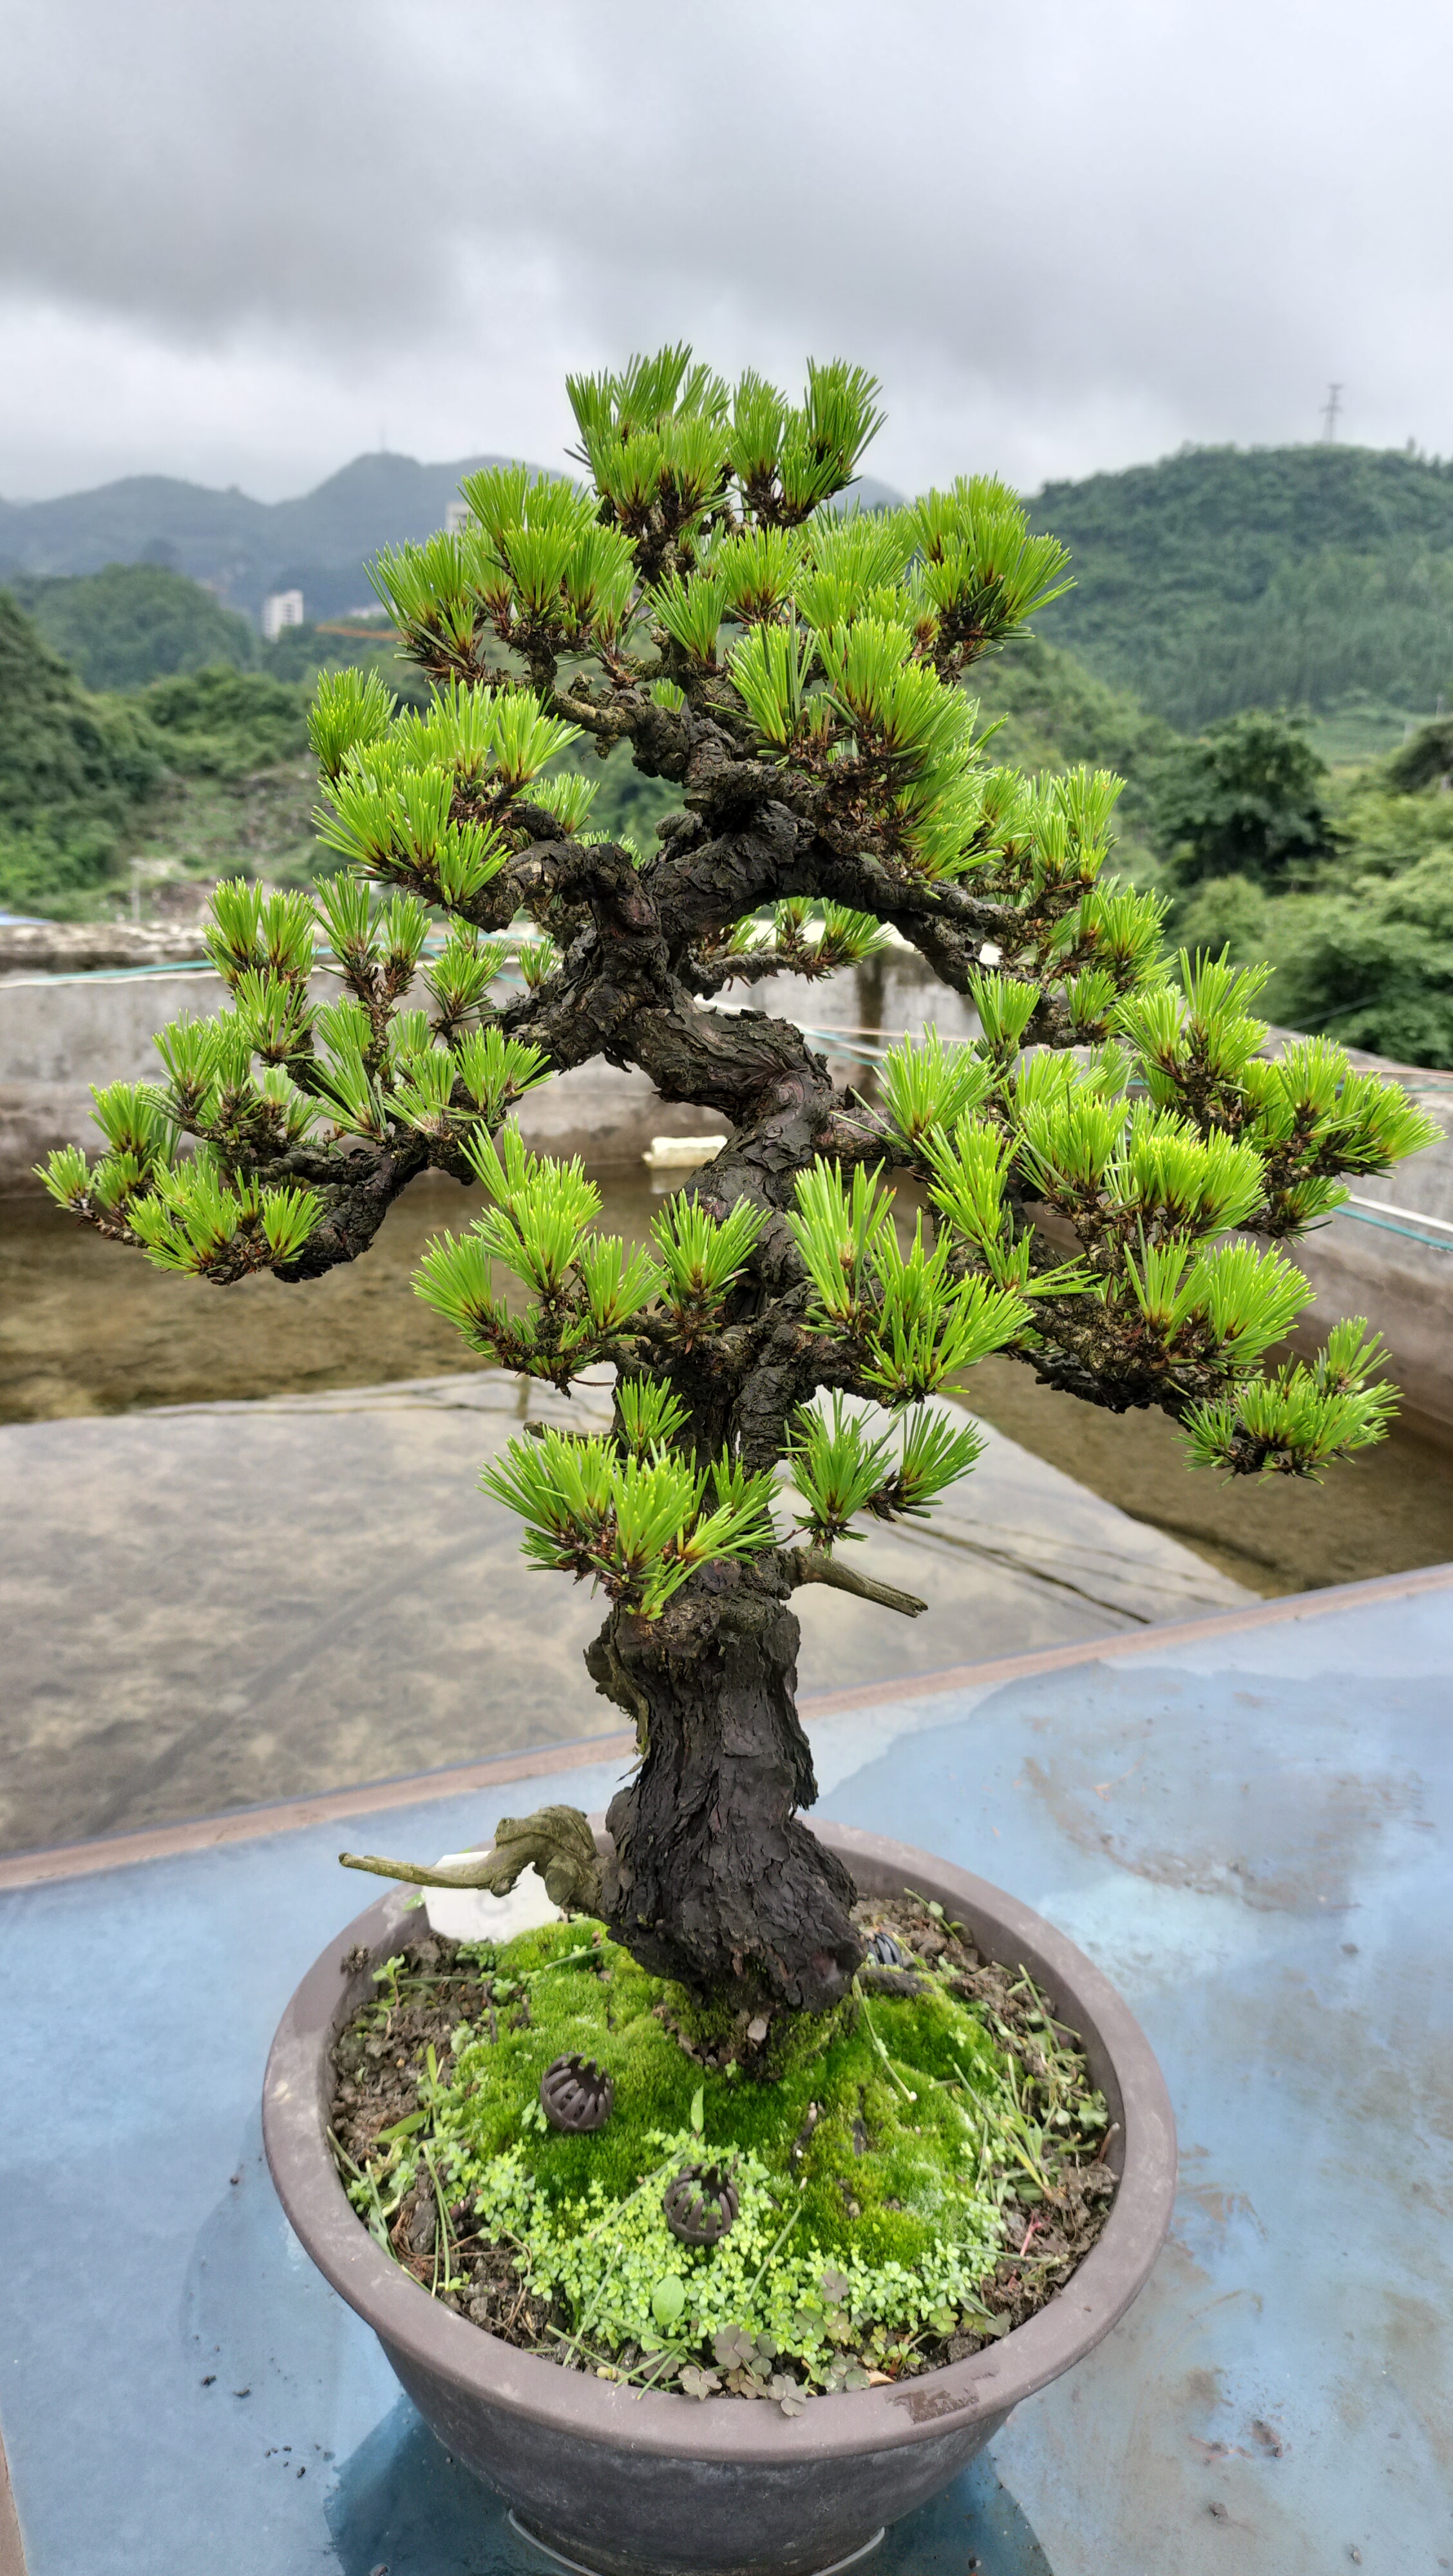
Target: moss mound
{"x": 884, "y": 2174}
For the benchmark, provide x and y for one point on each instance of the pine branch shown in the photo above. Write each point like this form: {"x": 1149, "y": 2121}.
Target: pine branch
{"x": 796, "y": 674}
{"x": 814, "y": 1565}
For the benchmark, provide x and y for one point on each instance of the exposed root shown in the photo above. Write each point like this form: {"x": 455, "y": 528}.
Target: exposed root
{"x": 557, "y": 1841}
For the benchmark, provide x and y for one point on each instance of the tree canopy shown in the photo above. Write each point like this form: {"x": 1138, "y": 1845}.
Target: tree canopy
{"x": 1425, "y": 760}
{"x": 1375, "y": 970}
{"x": 1247, "y": 799}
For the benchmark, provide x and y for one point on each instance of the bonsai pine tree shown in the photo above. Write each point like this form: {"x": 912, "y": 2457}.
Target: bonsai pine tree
{"x": 1106, "y": 1174}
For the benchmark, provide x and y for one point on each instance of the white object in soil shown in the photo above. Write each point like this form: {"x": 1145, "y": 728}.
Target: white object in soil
{"x": 472, "y": 1914}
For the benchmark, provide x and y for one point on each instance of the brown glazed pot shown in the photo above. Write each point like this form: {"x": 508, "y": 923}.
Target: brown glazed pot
{"x": 665, "y": 2485}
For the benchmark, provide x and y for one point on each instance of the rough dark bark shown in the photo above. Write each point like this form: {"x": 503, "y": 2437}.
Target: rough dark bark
{"x": 715, "y": 1881}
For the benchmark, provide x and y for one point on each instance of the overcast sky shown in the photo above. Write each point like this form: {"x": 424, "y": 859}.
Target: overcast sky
{"x": 242, "y": 243}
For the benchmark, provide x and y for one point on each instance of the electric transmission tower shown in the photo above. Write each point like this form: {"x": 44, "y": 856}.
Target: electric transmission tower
{"x": 1331, "y": 414}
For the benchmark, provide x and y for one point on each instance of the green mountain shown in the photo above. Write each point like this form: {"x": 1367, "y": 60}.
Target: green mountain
{"x": 243, "y": 548}
{"x": 133, "y": 623}
{"x": 1223, "y": 578}
{"x": 1318, "y": 578}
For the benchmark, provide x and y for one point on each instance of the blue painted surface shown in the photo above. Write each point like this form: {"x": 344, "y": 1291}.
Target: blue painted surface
{"x": 1250, "y": 1832}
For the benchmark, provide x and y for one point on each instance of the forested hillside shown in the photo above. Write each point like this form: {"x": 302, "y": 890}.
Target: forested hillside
{"x": 76, "y": 772}
{"x": 1276, "y": 577}
{"x": 105, "y": 796}
{"x": 132, "y": 623}
{"x": 1301, "y": 577}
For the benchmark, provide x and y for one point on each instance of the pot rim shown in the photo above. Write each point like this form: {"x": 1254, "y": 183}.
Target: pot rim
{"x": 416, "y": 2327}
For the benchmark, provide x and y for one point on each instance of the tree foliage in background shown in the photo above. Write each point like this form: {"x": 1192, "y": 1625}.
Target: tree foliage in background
{"x": 1361, "y": 939}
{"x": 224, "y": 723}
{"x": 1425, "y": 760}
{"x": 1247, "y": 800}
{"x": 1375, "y": 969}
{"x": 797, "y": 679}
{"x": 74, "y": 773}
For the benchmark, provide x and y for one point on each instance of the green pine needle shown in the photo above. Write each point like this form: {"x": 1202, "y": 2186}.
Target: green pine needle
{"x": 927, "y": 1085}
{"x": 650, "y": 1414}
{"x": 837, "y": 1468}
{"x": 701, "y": 1259}
{"x": 637, "y": 1523}
{"x": 837, "y": 1227}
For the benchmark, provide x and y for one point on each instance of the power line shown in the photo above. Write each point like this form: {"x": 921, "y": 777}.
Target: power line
{"x": 1331, "y": 414}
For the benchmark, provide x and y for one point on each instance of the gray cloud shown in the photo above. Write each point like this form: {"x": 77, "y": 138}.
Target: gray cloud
{"x": 1067, "y": 234}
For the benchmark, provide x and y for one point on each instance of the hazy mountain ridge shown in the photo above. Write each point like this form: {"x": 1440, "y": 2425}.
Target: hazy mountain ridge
{"x": 245, "y": 548}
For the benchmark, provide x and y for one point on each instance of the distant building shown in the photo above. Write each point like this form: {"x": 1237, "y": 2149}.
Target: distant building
{"x": 281, "y": 608}
{"x": 456, "y": 516}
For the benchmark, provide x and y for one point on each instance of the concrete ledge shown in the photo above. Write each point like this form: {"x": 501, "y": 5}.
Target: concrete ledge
{"x": 81, "y": 947}
{"x": 291, "y": 1815}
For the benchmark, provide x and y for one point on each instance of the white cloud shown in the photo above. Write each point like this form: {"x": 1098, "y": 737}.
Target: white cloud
{"x": 233, "y": 244}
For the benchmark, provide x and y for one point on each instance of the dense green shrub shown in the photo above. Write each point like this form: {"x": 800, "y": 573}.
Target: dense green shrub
{"x": 1425, "y": 760}
{"x": 1246, "y": 800}
{"x": 225, "y": 723}
{"x": 1375, "y": 969}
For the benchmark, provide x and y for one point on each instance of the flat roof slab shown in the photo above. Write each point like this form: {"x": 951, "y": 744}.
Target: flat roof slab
{"x": 223, "y": 1603}
{"x": 1244, "y": 1820}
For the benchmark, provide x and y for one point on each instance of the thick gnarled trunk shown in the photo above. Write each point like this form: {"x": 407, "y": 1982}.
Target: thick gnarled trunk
{"x": 714, "y": 1880}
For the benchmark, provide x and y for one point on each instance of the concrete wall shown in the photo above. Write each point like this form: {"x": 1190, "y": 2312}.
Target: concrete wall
{"x": 61, "y": 1032}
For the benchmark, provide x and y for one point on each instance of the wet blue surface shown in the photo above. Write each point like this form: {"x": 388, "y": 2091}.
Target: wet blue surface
{"x": 1249, "y": 1831}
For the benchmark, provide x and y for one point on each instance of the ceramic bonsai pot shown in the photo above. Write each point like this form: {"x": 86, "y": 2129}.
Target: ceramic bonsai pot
{"x": 664, "y": 2485}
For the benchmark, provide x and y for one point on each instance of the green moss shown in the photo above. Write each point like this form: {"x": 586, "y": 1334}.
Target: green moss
{"x": 873, "y": 2173}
